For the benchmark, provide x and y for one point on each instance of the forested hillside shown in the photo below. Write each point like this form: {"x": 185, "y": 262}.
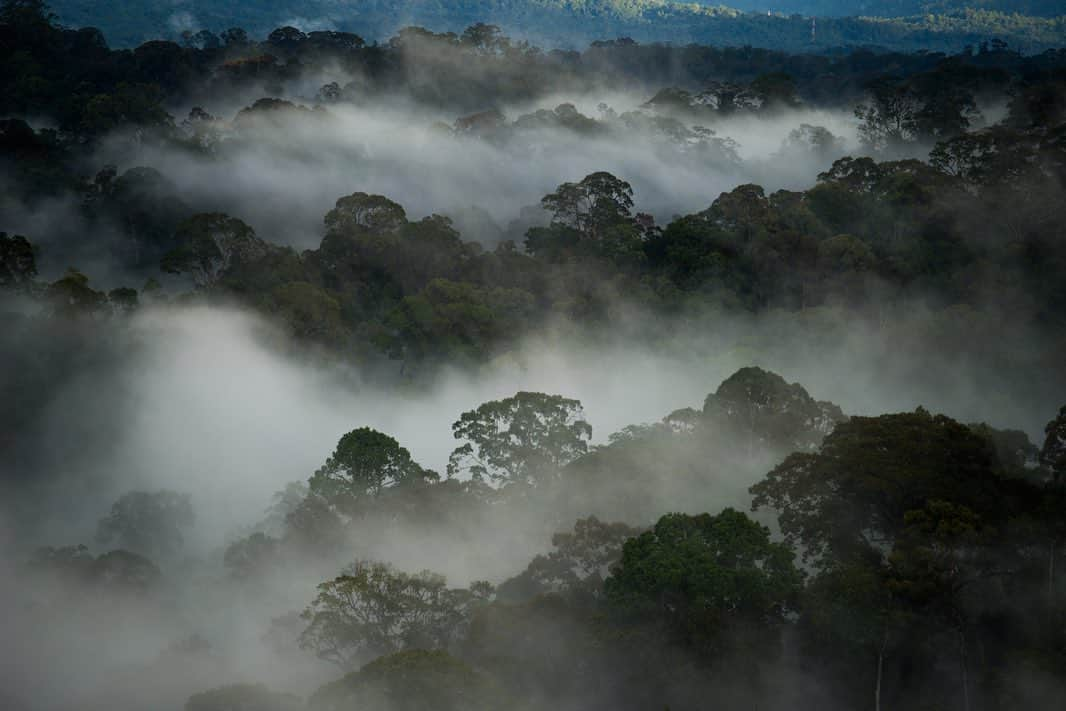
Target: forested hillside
{"x": 454, "y": 372}
{"x": 568, "y": 23}
{"x": 897, "y": 8}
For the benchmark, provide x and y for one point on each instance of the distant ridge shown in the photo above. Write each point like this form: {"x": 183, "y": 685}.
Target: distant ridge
{"x": 575, "y": 23}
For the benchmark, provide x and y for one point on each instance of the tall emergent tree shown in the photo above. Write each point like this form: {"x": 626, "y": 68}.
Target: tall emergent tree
{"x": 525, "y": 439}
{"x": 364, "y": 464}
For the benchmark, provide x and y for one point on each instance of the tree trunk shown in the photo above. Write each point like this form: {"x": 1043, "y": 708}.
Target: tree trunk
{"x": 880, "y": 671}
{"x": 1051, "y": 573}
{"x": 965, "y": 671}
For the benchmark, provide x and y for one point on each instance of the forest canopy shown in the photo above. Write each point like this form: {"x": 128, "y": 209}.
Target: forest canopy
{"x": 437, "y": 367}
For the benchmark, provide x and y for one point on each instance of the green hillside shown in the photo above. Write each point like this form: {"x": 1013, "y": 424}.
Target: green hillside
{"x": 577, "y": 22}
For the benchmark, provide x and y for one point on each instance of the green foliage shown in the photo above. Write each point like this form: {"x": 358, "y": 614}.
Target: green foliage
{"x": 314, "y": 525}
{"x": 766, "y": 411}
{"x": 360, "y": 212}
{"x": 850, "y": 500}
{"x": 701, "y": 575}
{"x": 211, "y": 246}
{"x": 364, "y": 464}
{"x": 374, "y": 609}
{"x": 411, "y": 681}
{"x": 599, "y": 201}
{"x": 71, "y": 295}
{"x": 454, "y": 321}
{"x": 577, "y": 565}
{"x": 523, "y": 440}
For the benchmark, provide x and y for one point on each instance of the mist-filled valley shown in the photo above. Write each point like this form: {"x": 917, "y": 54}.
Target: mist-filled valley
{"x": 452, "y": 372}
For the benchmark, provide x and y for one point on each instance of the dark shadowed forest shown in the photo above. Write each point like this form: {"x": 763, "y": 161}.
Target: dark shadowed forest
{"x": 449, "y": 370}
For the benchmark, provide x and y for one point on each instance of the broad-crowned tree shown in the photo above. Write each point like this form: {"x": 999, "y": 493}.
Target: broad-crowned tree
{"x": 850, "y": 498}
{"x": 211, "y": 245}
{"x": 373, "y": 609}
{"x": 148, "y": 522}
{"x": 706, "y": 578}
{"x": 767, "y": 411}
{"x": 361, "y": 212}
{"x": 590, "y": 206}
{"x": 525, "y": 439}
{"x": 364, "y": 464}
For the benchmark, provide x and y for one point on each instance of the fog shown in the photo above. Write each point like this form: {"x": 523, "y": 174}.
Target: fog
{"x": 213, "y": 400}
{"x": 282, "y": 173}
{"x": 213, "y": 403}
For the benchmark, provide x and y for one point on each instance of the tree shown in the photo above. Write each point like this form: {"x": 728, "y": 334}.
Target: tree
{"x": 26, "y": 13}
{"x": 373, "y": 609}
{"x": 117, "y": 571}
{"x": 599, "y": 201}
{"x": 817, "y": 141}
{"x": 123, "y": 299}
{"x": 71, "y": 295}
{"x": 148, "y": 522}
{"x": 360, "y": 212}
{"x": 704, "y": 575}
{"x": 249, "y": 556}
{"x": 580, "y": 561}
{"x": 848, "y": 501}
{"x": 234, "y": 37}
{"x": 890, "y": 117}
{"x": 525, "y": 439}
{"x": 18, "y": 265}
{"x": 966, "y": 156}
{"x": 777, "y": 89}
{"x": 455, "y": 321}
{"x": 947, "y": 112}
{"x": 850, "y": 615}
{"x": 1053, "y": 453}
{"x": 286, "y": 38}
{"x": 124, "y": 570}
{"x": 1017, "y": 455}
{"x": 364, "y": 464}
{"x": 766, "y": 410}
{"x": 314, "y": 525}
{"x": 211, "y": 246}
{"x": 744, "y": 210}
{"x": 938, "y": 556}
{"x": 484, "y": 39}
{"x": 412, "y": 680}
